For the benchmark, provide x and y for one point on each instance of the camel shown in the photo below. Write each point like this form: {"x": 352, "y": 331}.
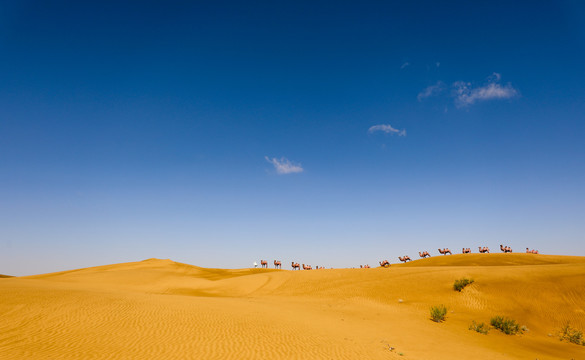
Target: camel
{"x": 424, "y": 254}
{"x": 264, "y": 263}
{"x": 277, "y": 265}
{"x": 295, "y": 266}
{"x": 484, "y": 250}
{"x": 466, "y": 251}
{"x": 384, "y": 263}
{"x": 505, "y": 249}
{"x": 307, "y": 267}
{"x": 405, "y": 258}
{"x": 531, "y": 251}
{"x": 445, "y": 251}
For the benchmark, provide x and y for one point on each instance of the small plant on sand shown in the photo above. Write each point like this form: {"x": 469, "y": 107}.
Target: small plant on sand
{"x": 438, "y": 313}
{"x": 572, "y": 335}
{"x": 481, "y": 328}
{"x": 461, "y": 283}
{"x": 506, "y": 325}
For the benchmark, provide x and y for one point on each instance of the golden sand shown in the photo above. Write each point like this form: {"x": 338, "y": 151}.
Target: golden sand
{"x": 160, "y": 309}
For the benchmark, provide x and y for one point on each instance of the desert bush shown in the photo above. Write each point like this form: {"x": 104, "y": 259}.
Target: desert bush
{"x": 481, "y": 328}
{"x": 461, "y": 283}
{"x": 572, "y": 335}
{"x": 506, "y": 325}
{"x": 438, "y": 313}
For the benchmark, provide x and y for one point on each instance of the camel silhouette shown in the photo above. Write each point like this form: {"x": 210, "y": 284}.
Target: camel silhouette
{"x": 445, "y": 251}
{"x": 424, "y": 254}
{"x": 505, "y": 249}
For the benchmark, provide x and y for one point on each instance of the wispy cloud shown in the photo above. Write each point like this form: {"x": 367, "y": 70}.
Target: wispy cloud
{"x": 405, "y": 65}
{"x": 388, "y": 129}
{"x": 432, "y": 90}
{"x": 284, "y": 165}
{"x": 466, "y": 95}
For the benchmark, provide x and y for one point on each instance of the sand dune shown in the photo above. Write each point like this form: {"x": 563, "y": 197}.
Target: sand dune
{"x": 167, "y": 310}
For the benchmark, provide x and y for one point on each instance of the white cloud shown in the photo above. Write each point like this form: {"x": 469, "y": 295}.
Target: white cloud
{"x": 432, "y": 90}
{"x": 388, "y": 129}
{"x": 466, "y": 95}
{"x": 405, "y": 65}
{"x": 284, "y": 165}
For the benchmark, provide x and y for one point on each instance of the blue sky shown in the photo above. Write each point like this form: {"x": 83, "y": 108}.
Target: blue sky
{"x": 328, "y": 133}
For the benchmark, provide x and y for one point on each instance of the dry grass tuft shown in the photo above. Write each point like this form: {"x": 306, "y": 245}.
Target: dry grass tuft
{"x": 461, "y": 283}
{"x": 506, "y": 325}
{"x": 438, "y": 313}
{"x": 572, "y": 335}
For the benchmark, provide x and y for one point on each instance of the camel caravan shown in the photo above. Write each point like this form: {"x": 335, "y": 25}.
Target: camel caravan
{"x": 404, "y": 259}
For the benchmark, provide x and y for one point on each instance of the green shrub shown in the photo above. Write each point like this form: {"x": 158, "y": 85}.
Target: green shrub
{"x": 572, "y": 335}
{"x": 461, "y": 283}
{"x": 438, "y": 313}
{"x": 506, "y": 325}
{"x": 481, "y": 328}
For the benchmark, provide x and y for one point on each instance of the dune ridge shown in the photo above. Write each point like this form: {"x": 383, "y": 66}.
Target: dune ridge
{"x": 496, "y": 259}
{"x": 164, "y": 309}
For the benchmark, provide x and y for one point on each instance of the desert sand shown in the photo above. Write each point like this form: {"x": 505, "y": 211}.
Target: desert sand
{"x": 161, "y": 309}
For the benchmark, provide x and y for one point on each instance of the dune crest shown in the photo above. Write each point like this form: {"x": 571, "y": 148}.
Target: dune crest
{"x": 497, "y": 259}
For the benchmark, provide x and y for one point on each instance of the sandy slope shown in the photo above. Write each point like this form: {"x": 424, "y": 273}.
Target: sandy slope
{"x": 160, "y": 309}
